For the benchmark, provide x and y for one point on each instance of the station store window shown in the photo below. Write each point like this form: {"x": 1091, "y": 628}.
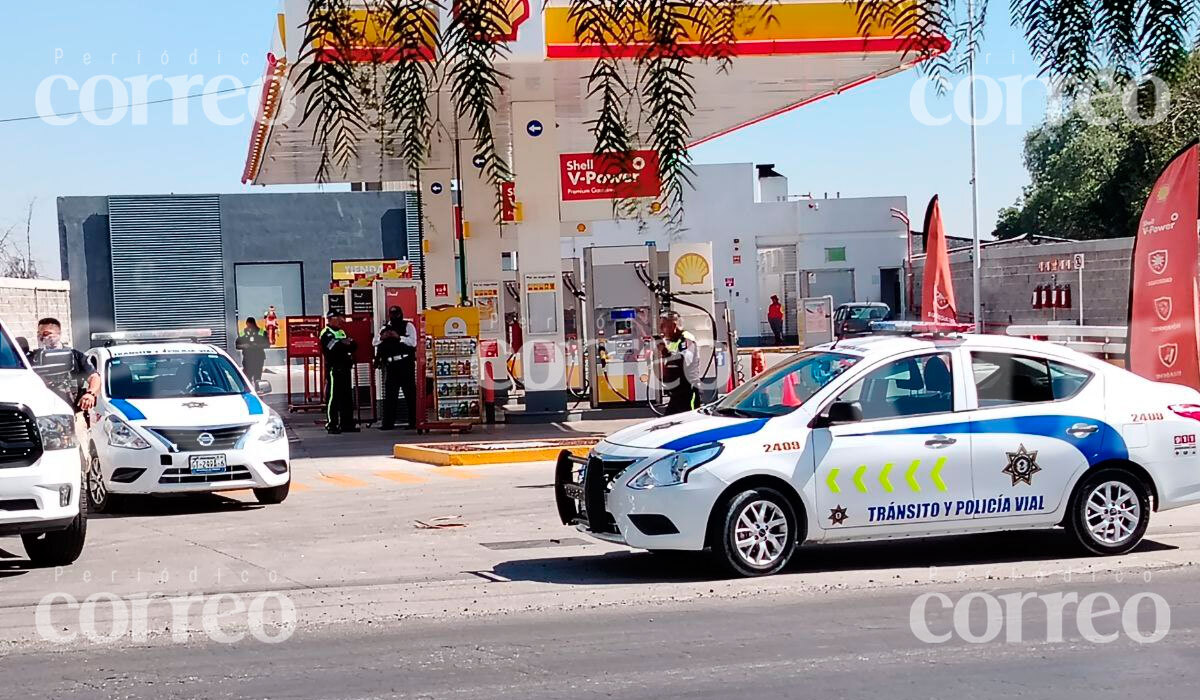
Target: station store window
{"x": 269, "y": 292}
{"x": 835, "y": 254}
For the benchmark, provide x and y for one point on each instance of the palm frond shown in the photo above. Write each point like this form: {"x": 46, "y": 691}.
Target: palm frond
{"x": 328, "y": 82}
{"x": 411, "y": 26}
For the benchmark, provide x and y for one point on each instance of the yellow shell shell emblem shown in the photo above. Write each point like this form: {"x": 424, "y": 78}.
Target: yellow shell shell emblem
{"x": 691, "y": 268}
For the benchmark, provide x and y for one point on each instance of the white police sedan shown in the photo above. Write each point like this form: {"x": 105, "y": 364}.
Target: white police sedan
{"x": 885, "y": 436}
{"x": 178, "y": 416}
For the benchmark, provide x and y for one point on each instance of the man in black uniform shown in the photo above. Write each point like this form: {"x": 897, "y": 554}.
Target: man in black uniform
{"x": 72, "y": 377}
{"x": 338, "y": 351}
{"x": 396, "y": 355}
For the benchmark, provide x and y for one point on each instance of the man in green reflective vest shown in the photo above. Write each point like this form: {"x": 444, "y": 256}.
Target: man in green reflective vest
{"x": 338, "y": 350}
{"x": 680, "y": 367}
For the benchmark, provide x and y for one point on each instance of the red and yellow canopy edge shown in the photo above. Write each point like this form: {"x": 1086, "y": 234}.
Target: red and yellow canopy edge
{"x": 795, "y": 28}
{"x": 268, "y": 107}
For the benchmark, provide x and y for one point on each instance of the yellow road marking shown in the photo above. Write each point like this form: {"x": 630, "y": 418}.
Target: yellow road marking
{"x": 399, "y": 477}
{"x": 342, "y": 480}
{"x": 297, "y": 486}
{"x": 455, "y": 473}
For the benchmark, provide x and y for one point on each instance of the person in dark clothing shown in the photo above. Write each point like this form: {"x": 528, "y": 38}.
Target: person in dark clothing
{"x": 253, "y": 345}
{"x": 396, "y": 355}
{"x": 76, "y": 381}
{"x": 338, "y": 350}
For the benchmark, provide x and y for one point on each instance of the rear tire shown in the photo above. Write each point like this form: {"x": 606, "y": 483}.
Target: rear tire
{"x": 758, "y": 532}
{"x": 273, "y": 495}
{"x": 58, "y": 548}
{"x": 1109, "y": 512}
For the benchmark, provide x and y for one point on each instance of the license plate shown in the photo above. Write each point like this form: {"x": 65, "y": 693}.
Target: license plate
{"x": 207, "y": 464}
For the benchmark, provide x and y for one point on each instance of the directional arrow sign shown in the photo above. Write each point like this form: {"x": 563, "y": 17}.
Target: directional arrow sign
{"x": 858, "y": 476}
{"x": 910, "y": 476}
{"x": 831, "y": 481}
{"x": 936, "y": 475}
{"x": 534, "y": 128}
{"x": 883, "y": 477}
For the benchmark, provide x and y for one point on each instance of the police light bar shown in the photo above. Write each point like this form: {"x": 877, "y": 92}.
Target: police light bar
{"x": 919, "y": 327}
{"x": 116, "y": 337}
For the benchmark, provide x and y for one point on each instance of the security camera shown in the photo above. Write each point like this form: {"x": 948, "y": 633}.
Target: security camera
{"x": 814, "y": 206}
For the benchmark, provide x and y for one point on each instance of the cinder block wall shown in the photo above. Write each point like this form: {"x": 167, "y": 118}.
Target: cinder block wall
{"x": 1011, "y": 272}
{"x": 23, "y": 302}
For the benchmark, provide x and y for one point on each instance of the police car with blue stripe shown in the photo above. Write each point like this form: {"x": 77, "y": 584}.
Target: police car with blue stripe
{"x": 176, "y": 415}
{"x": 916, "y": 430}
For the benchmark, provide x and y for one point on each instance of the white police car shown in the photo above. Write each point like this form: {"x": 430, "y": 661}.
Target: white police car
{"x": 178, "y": 416}
{"x": 888, "y": 436}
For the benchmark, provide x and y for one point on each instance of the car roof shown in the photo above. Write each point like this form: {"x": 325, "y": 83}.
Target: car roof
{"x": 883, "y": 344}
{"x": 177, "y": 348}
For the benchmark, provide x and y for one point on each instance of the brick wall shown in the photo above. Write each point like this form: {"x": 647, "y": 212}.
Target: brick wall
{"x": 23, "y": 302}
{"x": 1010, "y": 273}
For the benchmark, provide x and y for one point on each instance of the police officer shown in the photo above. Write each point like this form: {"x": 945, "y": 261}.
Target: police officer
{"x": 396, "y": 355}
{"x": 338, "y": 351}
{"x": 74, "y": 378}
{"x": 680, "y": 367}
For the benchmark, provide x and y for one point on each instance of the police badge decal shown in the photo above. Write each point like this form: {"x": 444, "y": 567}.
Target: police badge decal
{"x": 1022, "y": 465}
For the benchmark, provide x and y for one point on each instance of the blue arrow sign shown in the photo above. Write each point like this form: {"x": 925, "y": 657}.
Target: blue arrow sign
{"x": 534, "y": 128}
{"x": 436, "y": 188}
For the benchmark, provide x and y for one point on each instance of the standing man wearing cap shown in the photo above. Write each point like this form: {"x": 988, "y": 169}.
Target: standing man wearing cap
{"x": 338, "y": 350}
{"x": 396, "y": 355}
{"x": 679, "y": 370}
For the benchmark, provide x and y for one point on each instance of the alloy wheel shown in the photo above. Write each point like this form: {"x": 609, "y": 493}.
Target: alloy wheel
{"x": 760, "y": 533}
{"x": 1112, "y": 512}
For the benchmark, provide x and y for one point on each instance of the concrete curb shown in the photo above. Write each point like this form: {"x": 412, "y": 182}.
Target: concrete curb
{"x": 429, "y": 454}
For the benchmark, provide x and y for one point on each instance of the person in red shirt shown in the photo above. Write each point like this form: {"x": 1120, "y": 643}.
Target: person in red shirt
{"x": 775, "y": 318}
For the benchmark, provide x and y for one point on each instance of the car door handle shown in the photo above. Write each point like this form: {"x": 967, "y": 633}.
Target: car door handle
{"x": 1080, "y": 430}
{"x": 940, "y": 441}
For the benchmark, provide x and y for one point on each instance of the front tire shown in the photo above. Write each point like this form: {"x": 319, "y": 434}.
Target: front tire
{"x": 1109, "y": 512}
{"x": 759, "y": 530}
{"x": 273, "y": 495}
{"x": 99, "y": 498}
{"x": 58, "y": 548}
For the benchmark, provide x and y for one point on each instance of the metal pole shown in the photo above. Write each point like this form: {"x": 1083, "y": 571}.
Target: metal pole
{"x": 1080, "y": 295}
{"x": 977, "y": 266}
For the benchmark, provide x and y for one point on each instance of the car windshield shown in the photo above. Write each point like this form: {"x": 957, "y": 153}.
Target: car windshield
{"x": 782, "y": 388}
{"x": 172, "y": 375}
{"x": 10, "y": 355}
{"x": 869, "y": 313}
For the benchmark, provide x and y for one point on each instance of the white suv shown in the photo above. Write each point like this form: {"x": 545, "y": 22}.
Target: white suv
{"x": 41, "y": 465}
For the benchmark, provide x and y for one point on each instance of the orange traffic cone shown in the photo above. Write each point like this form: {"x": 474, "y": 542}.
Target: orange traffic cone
{"x": 757, "y": 364}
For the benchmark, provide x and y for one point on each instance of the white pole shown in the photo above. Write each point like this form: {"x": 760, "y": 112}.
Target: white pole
{"x": 977, "y": 265}
{"x": 1080, "y": 295}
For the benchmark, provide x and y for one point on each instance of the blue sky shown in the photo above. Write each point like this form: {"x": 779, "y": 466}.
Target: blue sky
{"x": 861, "y": 143}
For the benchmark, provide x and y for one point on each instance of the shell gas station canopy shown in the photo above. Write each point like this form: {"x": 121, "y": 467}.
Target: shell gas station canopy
{"x": 811, "y": 50}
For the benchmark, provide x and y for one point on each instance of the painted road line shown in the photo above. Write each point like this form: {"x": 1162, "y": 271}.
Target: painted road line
{"x": 399, "y": 477}
{"x": 342, "y": 480}
{"x": 455, "y": 473}
{"x": 497, "y": 453}
{"x": 297, "y": 486}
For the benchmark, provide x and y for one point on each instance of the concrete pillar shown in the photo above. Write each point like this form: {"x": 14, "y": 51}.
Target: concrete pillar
{"x": 437, "y": 210}
{"x": 482, "y": 247}
{"x": 535, "y": 164}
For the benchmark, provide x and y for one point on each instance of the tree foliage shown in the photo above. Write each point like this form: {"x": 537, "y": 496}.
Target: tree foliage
{"x": 1091, "y": 172}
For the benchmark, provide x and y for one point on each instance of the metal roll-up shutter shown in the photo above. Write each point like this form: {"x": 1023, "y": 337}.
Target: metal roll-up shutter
{"x": 167, "y": 265}
{"x": 412, "y": 226}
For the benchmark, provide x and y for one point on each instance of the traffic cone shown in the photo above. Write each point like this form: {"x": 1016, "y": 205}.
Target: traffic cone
{"x": 757, "y": 364}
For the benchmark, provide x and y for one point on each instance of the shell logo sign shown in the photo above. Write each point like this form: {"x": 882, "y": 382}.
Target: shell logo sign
{"x": 691, "y": 268}
{"x": 517, "y": 12}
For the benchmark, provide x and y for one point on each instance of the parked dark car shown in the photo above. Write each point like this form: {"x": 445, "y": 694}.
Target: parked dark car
{"x": 855, "y": 318}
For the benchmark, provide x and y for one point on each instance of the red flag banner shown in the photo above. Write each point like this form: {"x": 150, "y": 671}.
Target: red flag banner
{"x": 937, "y": 289}
{"x": 1162, "y": 342}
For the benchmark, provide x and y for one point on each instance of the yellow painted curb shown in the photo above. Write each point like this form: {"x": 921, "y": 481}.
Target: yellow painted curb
{"x": 448, "y": 458}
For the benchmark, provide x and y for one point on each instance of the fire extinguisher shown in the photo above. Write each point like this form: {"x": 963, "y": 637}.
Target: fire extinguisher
{"x": 1037, "y": 297}
{"x": 1056, "y": 297}
{"x": 1045, "y": 296}
{"x": 1066, "y": 296}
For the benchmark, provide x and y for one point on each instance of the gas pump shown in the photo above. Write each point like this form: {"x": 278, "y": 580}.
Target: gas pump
{"x": 624, "y": 314}
{"x": 725, "y": 350}
{"x": 574, "y": 326}
{"x": 511, "y": 305}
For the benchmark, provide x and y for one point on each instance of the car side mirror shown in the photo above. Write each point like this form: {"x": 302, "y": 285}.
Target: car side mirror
{"x": 23, "y": 343}
{"x": 263, "y": 387}
{"x": 839, "y": 412}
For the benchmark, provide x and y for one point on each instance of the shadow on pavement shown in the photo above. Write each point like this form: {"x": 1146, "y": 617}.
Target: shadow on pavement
{"x": 614, "y": 568}
{"x": 190, "y": 504}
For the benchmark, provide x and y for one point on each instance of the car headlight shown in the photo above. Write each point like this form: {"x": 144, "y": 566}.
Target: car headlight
{"x": 57, "y": 431}
{"x": 673, "y": 468}
{"x": 273, "y": 430}
{"x": 121, "y": 434}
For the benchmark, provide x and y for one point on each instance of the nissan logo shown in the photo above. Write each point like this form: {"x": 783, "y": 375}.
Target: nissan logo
{"x": 204, "y": 439}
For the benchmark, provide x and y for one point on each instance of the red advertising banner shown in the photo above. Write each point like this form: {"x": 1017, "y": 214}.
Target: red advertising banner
{"x": 1162, "y": 297}
{"x": 589, "y": 176}
{"x": 302, "y": 335}
{"x": 508, "y": 201}
{"x": 937, "y": 289}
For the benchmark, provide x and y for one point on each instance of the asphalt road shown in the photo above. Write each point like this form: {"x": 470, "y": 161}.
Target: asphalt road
{"x": 806, "y": 646}
{"x": 413, "y": 581}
